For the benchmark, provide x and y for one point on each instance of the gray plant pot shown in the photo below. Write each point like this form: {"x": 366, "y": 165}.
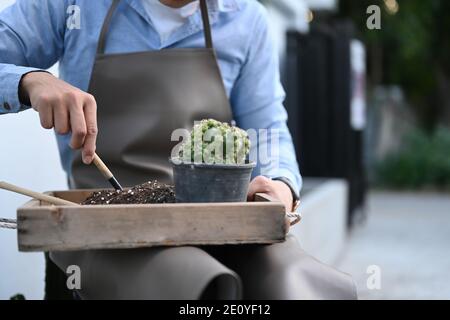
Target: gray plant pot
{"x": 211, "y": 182}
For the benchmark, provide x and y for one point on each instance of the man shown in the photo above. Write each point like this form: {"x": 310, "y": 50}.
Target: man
{"x": 140, "y": 90}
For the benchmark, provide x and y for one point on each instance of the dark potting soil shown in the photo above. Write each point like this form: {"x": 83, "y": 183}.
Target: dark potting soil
{"x": 149, "y": 192}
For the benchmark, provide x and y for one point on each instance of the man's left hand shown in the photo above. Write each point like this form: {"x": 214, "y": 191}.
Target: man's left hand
{"x": 275, "y": 189}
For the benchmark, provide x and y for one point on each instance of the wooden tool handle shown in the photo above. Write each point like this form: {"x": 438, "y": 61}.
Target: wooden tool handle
{"x": 36, "y": 195}
{"x": 101, "y": 166}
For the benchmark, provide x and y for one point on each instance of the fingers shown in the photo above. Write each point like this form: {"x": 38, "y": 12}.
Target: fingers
{"x": 64, "y": 107}
{"x": 275, "y": 189}
{"x": 90, "y": 115}
{"x": 260, "y": 184}
{"x": 284, "y": 194}
{"x": 77, "y": 112}
{"x": 78, "y": 127}
{"x": 83, "y": 123}
{"x": 61, "y": 119}
{"x": 46, "y": 116}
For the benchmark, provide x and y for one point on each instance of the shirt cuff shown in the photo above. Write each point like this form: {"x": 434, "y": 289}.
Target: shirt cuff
{"x": 9, "y": 82}
{"x": 286, "y": 173}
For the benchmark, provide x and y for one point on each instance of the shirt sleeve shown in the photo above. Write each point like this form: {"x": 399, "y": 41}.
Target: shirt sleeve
{"x": 31, "y": 39}
{"x": 257, "y": 100}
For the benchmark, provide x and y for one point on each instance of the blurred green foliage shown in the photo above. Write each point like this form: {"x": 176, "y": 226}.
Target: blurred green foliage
{"x": 413, "y": 50}
{"x": 423, "y": 162}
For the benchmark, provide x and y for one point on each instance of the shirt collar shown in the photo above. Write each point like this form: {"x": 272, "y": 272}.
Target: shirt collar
{"x": 223, "y": 5}
{"x": 213, "y": 5}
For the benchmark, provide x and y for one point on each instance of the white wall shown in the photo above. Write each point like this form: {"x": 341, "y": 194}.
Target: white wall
{"x": 29, "y": 158}
{"x": 322, "y": 231}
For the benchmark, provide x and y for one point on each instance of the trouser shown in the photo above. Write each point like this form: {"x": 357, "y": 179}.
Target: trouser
{"x": 277, "y": 271}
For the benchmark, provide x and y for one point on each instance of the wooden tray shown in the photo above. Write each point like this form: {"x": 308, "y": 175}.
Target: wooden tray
{"x": 44, "y": 227}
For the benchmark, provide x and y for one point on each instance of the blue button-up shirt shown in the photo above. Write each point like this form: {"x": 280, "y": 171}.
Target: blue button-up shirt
{"x": 35, "y": 34}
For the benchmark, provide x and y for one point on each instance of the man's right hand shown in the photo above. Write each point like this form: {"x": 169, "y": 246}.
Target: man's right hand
{"x": 65, "y": 108}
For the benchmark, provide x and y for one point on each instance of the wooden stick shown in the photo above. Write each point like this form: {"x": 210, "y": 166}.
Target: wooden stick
{"x": 101, "y": 166}
{"x": 36, "y": 195}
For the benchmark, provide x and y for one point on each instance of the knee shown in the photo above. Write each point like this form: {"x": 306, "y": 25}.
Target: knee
{"x": 293, "y": 274}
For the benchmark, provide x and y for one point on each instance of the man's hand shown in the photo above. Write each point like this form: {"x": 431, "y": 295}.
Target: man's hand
{"x": 276, "y": 189}
{"x": 65, "y": 108}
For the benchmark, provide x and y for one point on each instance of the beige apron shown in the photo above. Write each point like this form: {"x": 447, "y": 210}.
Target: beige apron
{"x": 142, "y": 97}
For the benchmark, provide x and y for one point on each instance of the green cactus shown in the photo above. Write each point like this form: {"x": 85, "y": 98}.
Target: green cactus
{"x": 215, "y": 142}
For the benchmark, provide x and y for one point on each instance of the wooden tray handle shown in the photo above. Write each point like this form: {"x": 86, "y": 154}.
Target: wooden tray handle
{"x": 262, "y": 197}
{"x": 294, "y": 217}
{"x": 36, "y": 195}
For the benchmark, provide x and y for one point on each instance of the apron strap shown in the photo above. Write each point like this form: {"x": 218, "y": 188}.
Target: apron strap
{"x": 105, "y": 27}
{"x": 112, "y": 9}
{"x": 206, "y": 24}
